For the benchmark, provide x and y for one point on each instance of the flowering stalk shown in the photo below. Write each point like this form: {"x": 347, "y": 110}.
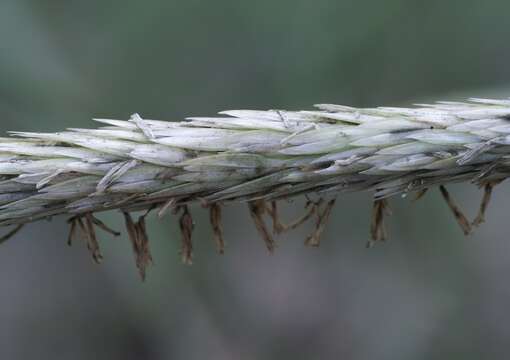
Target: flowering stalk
{"x": 258, "y": 157}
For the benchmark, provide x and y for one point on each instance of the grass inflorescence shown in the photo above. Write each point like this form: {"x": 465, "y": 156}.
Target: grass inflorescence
{"x": 256, "y": 157}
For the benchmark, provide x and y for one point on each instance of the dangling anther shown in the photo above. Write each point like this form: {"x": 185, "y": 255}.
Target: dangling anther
{"x": 87, "y": 232}
{"x": 140, "y": 243}
{"x": 487, "y": 193}
{"x": 279, "y": 227}
{"x": 257, "y": 209}
{"x": 103, "y": 226}
{"x": 73, "y": 223}
{"x": 378, "y": 228}
{"x": 215, "y": 218}
{"x": 91, "y": 237}
{"x": 322, "y": 219}
{"x": 187, "y": 226}
{"x": 459, "y": 216}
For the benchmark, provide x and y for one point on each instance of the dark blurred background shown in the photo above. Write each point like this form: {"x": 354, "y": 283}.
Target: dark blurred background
{"x": 428, "y": 293}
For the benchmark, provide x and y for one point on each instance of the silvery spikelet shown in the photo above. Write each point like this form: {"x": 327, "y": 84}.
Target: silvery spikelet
{"x": 257, "y": 157}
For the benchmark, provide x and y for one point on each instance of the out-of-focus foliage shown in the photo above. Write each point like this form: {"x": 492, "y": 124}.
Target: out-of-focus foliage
{"x": 429, "y": 293}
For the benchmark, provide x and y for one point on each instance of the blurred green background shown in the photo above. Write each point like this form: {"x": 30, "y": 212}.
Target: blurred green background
{"x": 428, "y": 293}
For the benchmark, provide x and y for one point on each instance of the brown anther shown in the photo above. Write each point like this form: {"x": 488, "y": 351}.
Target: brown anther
{"x": 186, "y": 225}
{"x": 143, "y": 242}
{"x": 103, "y": 226}
{"x": 459, "y": 216}
{"x": 280, "y": 227}
{"x": 487, "y": 193}
{"x": 140, "y": 243}
{"x": 322, "y": 219}
{"x": 90, "y": 235}
{"x": 215, "y": 218}
{"x": 257, "y": 210}
{"x": 86, "y": 235}
{"x": 378, "y": 229}
{"x": 72, "y": 230}
{"x": 85, "y": 225}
